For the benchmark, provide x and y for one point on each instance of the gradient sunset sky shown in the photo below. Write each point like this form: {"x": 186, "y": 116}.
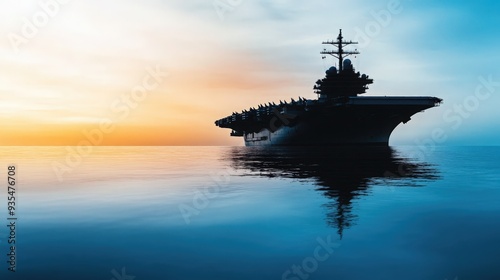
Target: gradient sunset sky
{"x": 68, "y": 66}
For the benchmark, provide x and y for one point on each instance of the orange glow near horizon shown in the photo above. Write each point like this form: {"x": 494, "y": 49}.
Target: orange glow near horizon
{"x": 177, "y": 112}
{"x": 83, "y": 68}
{"x": 53, "y": 103}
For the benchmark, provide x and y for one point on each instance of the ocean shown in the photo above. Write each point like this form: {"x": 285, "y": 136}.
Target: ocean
{"x": 148, "y": 213}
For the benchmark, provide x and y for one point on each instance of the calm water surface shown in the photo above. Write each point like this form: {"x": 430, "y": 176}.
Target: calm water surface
{"x": 253, "y": 213}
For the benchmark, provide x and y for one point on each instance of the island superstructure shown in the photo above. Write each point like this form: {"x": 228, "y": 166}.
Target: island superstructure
{"x": 337, "y": 117}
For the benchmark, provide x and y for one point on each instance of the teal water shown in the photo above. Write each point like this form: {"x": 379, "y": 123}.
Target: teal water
{"x": 253, "y": 213}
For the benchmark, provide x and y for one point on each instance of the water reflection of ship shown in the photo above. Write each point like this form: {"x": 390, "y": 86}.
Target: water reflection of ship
{"x": 342, "y": 174}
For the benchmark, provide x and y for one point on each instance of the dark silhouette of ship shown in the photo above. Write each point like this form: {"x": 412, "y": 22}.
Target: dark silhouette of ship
{"x": 338, "y": 117}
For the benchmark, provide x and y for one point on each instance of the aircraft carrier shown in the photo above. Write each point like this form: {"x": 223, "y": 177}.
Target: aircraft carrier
{"x": 337, "y": 117}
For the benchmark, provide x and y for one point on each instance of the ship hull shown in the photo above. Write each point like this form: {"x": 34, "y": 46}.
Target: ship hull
{"x": 304, "y": 135}
{"x": 362, "y": 122}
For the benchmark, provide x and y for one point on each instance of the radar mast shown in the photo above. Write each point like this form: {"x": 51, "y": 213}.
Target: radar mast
{"x": 340, "y": 53}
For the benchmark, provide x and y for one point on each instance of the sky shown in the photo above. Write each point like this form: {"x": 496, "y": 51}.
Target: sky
{"x": 161, "y": 72}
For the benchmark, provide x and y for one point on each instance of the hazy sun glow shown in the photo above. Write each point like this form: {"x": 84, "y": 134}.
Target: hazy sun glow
{"x": 67, "y": 66}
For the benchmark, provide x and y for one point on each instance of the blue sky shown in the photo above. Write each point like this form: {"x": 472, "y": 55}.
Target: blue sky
{"x": 228, "y": 55}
